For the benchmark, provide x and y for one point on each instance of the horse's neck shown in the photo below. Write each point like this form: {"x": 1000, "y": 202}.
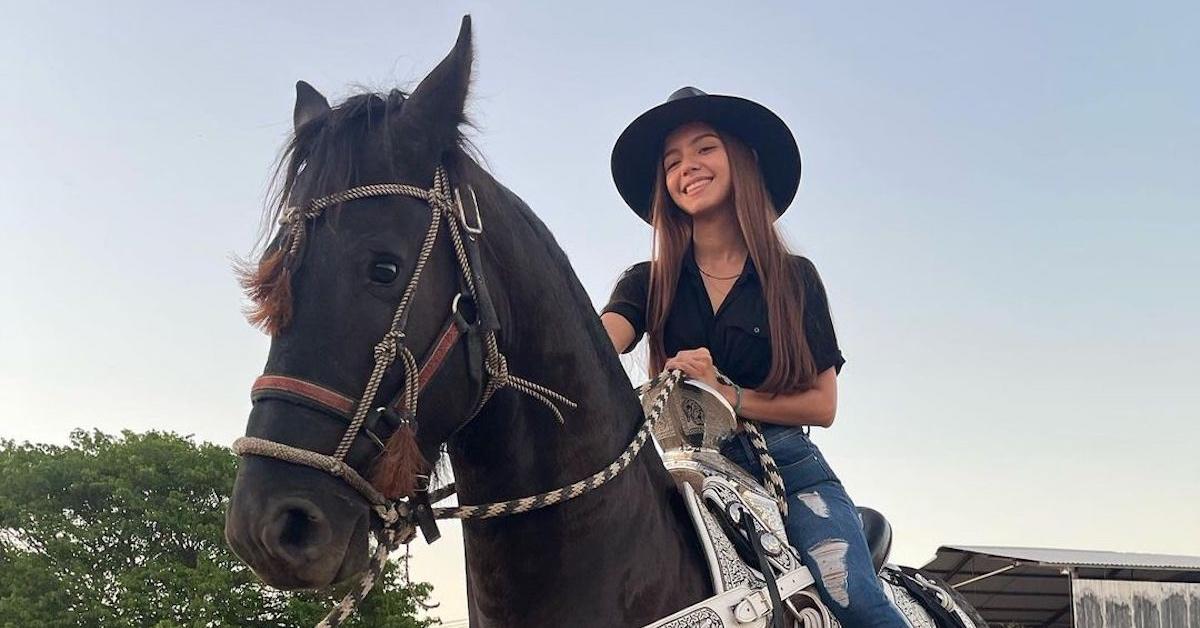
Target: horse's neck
{"x": 618, "y": 555}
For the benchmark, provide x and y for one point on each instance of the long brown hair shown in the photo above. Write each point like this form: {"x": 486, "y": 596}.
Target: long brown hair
{"x": 791, "y": 359}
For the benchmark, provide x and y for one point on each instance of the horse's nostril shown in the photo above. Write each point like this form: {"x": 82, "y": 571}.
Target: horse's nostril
{"x": 296, "y": 531}
{"x": 297, "y": 527}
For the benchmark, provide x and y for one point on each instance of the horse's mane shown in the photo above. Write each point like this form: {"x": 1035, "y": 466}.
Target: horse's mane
{"x": 580, "y": 303}
{"x": 318, "y": 160}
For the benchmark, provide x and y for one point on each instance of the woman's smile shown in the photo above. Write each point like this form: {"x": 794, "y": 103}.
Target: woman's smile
{"x": 696, "y": 186}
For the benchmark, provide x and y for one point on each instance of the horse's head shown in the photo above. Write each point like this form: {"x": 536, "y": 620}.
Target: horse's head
{"x": 355, "y": 293}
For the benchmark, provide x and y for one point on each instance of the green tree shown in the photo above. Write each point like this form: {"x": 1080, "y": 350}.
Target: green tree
{"x": 128, "y": 531}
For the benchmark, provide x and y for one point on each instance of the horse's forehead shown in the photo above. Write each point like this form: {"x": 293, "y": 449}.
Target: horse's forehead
{"x": 372, "y": 214}
{"x": 392, "y": 225}
{"x": 367, "y": 162}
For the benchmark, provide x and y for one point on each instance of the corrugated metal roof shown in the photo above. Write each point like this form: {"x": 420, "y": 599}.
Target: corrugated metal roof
{"x": 1029, "y": 586}
{"x": 1052, "y": 557}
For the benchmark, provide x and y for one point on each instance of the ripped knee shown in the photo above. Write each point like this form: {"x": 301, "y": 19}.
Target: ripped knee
{"x": 814, "y": 502}
{"x": 829, "y": 561}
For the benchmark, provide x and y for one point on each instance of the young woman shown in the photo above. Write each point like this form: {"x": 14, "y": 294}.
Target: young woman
{"x": 711, "y": 174}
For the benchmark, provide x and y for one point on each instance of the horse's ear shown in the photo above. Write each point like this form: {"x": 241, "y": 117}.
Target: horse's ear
{"x": 310, "y": 105}
{"x": 437, "y": 104}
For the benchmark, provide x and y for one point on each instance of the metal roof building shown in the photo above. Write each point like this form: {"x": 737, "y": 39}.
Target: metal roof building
{"x": 1053, "y": 588}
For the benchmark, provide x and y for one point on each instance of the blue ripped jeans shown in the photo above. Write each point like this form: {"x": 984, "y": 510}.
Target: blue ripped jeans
{"x": 823, "y": 525}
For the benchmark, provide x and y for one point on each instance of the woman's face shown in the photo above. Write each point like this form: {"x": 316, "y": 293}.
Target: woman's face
{"x": 697, "y": 169}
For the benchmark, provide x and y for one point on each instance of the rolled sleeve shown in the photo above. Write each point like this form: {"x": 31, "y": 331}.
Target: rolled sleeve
{"x": 818, "y": 322}
{"x": 629, "y": 299}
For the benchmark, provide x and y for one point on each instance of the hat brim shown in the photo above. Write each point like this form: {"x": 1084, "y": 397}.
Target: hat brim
{"x": 639, "y": 147}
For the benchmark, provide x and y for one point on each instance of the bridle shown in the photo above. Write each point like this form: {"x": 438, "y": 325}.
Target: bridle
{"x": 363, "y": 416}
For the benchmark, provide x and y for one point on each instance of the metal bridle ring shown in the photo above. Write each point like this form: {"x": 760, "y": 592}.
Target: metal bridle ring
{"x": 454, "y": 309}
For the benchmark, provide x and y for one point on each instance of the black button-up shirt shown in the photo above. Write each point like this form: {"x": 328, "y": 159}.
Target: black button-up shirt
{"x": 737, "y": 334}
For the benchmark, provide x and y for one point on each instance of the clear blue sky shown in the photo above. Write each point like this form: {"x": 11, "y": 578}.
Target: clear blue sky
{"x": 1002, "y": 199}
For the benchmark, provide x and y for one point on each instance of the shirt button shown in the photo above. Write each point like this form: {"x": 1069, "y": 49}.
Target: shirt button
{"x": 756, "y": 330}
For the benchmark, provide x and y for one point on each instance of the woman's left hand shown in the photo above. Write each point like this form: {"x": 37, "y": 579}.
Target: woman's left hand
{"x": 696, "y": 364}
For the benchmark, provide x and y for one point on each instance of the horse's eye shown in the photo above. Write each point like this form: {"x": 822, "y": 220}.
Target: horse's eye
{"x": 384, "y": 272}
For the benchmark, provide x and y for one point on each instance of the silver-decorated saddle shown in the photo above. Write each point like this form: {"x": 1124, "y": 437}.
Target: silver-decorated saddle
{"x": 690, "y": 430}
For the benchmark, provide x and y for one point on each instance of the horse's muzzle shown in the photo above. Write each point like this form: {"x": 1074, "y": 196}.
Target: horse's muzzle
{"x": 296, "y": 540}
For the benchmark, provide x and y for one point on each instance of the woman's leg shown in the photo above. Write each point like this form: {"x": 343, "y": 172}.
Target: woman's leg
{"x": 823, "y": 525}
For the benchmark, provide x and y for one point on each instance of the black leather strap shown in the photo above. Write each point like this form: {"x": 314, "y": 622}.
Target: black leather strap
{"x": 764, "y": 566}
{"x": 488, "y": 321}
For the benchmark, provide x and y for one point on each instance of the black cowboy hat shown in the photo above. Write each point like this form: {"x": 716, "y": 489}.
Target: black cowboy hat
{"x": 638, "y": 149}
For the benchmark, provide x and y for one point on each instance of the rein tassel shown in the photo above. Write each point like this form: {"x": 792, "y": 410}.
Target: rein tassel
{"x": 400, "y": 465}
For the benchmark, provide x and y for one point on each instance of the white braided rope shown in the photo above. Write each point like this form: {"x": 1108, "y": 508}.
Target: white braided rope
{"x": 409, "y": 394}
{"x": 388, "y": 542}
{"x": 254, "y": 446}
{"x": 313, "y": 208}
{"x": 594, "y": 481}
{"x": 495, "y": 362}
{"x": 295, "y": 217}
{"x": 499, "y": 377}
{"x": 771, "y": 477}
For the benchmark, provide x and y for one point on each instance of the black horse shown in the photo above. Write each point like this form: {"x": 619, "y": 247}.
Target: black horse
{"x": 624, "y": 554}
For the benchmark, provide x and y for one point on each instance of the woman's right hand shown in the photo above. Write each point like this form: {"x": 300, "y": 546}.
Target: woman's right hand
{"x": 696, "y": 364}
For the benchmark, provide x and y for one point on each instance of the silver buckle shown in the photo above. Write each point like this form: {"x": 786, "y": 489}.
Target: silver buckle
{"x": 477, "y": 228}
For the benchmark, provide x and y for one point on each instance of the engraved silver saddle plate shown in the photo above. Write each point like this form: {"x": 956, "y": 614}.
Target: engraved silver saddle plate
{"x": 696, "y": 416}
{"x": 693, "y": 467}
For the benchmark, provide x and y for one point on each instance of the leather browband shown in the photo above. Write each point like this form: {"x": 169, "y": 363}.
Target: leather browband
{"x": 343, "y": 405}
{"x": 327, "y": 398}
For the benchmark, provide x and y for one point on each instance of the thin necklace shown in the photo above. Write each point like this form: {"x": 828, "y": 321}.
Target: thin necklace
{"x": 712, "y": 276}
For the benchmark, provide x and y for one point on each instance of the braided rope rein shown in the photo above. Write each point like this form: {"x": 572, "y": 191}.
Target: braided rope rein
{"x": 388, "y": 542}
{"x": 592, "y": 482}
{"x": 668, "y": 380}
